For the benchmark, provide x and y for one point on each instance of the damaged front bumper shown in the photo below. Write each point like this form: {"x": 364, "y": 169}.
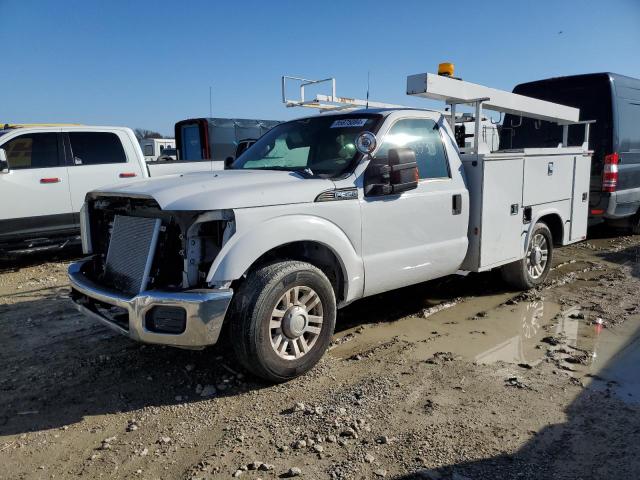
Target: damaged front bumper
{"x": 200, "y": 313}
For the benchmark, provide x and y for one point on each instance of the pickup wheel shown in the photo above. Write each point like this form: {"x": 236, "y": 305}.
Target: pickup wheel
{"x": 533, "y": 269}
{"x": 282, "y": 319}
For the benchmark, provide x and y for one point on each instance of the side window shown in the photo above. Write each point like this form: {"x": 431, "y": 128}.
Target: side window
{"x": 148, "y": 150}
{"x": 423, "y": 137}
{"x": 36, "y": 150}
{"x": 95, "y": 148}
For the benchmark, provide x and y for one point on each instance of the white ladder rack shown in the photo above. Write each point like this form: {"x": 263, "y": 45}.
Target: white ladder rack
{"x": 325, "y": 102}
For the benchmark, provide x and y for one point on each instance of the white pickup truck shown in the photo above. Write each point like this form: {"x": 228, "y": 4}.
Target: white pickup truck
{"x": 320, "y": 212}
{"x": 46, "y": 172}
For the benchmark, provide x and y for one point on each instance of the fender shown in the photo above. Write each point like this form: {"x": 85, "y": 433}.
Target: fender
{"x": 247, "y": 245}
{"x": 538, "y": 215}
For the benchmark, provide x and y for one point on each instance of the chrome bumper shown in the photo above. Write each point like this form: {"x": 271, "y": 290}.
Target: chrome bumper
{"x": 205, "y": 310}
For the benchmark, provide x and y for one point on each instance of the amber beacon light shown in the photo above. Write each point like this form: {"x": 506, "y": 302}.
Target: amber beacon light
{"x": 446, "y": 69}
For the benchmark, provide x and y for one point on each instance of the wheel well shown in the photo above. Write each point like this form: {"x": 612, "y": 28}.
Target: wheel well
{"x": 554, "y": 223}
{"x": 314, "y": 253}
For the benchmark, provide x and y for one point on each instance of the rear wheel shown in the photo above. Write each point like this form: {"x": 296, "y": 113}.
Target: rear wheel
{"x": 533, "y": 269}
{"x": 282, "y": 319}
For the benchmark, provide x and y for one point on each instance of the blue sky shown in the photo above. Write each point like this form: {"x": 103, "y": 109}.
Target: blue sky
{"x": 150, "y": 63}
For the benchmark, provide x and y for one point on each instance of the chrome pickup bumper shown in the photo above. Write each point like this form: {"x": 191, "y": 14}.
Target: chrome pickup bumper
{"x": 201, "y": 312}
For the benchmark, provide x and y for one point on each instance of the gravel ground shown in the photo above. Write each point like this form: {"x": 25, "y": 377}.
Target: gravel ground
{"x": 455, "y": 379}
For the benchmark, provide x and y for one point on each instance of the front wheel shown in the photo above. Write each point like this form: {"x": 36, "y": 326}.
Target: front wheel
{"x": 282, "y": 319}
{"x": 533, "y": 269}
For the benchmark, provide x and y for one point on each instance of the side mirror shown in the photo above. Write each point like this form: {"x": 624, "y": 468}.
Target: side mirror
{"x": 404, "y": 169}
{"x": 228, "y": 162}
{"x": 4, "y": 165}
{"x": 395, "y": 174}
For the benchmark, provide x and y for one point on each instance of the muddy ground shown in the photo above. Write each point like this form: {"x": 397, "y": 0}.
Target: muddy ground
{"x": 454, "y": 379}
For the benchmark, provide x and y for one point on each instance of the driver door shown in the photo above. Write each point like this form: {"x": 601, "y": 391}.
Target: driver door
{"x": 420, "y": 234}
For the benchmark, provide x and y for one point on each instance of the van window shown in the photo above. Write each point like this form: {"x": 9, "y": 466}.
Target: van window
{"x": 423, "y": 137}
{"x": 35, "y": 150}
{"x": 629, "y": 124}
{"x": 94, "y": 148}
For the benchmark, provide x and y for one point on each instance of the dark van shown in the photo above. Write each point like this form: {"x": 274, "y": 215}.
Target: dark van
{"x": 613, "y": 101}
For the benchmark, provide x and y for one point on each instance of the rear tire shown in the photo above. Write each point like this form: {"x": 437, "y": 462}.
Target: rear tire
{"x": 534, "y": 268}
{"x": 635, "y": 224}
{"x": 282, "y": 320}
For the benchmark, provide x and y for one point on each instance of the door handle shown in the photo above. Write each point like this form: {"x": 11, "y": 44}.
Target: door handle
{"x": 127, "y": 175}
{"x": 50, "y": 180}
{"x": 456, "y": 204}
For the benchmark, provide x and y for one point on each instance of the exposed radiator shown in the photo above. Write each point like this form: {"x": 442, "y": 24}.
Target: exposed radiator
{"x": 130, "y": 254}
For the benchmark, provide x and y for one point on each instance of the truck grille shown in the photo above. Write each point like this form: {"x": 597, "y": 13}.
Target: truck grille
{"x": 130, "y": 253}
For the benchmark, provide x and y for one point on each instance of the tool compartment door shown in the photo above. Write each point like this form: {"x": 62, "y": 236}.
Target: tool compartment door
{"x": 501, "y": 212}
{"x": 580, "y": 200}
{"x": 548, "y": 178}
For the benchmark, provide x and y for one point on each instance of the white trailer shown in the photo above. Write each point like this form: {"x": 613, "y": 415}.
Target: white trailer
{"x": 152, "y": 148}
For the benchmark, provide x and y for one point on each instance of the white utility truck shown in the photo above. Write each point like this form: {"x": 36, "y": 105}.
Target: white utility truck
{"x": 46, "y": 172}
{"x": 322, "y": 211}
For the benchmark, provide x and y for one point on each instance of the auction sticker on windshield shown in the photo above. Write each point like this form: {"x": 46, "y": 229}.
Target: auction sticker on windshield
{"x": 349, "y": 122}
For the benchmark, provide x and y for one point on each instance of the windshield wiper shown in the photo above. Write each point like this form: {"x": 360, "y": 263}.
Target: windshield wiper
{"x": 305, "y": 172}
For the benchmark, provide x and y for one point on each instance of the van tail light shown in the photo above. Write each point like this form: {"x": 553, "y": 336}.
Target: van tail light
{"x": 610, "y": 172}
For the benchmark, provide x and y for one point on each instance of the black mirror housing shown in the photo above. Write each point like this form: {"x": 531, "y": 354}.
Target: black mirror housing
{"x": 228, "y": 162}
{"x": 403, "y": 169}
{"x": 395, "y": 174}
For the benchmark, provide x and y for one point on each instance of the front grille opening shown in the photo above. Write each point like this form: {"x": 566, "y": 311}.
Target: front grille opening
{"x": 209, "y": 241}
{"x": 168, "y": 262}
{"x": 131, "y": 251}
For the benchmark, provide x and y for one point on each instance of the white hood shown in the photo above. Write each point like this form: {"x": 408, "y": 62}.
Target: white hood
{"x": 225, "y": 189}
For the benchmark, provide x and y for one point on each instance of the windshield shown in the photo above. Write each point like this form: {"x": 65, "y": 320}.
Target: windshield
{"x": 319, "y": 146}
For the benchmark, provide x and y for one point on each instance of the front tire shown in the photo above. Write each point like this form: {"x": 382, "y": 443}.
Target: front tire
{"x": 282, "y": 319}
{"x": 534, "y": 268}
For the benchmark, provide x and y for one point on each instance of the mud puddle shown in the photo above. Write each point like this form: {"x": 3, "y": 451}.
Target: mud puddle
{"x": 498, "y": 328}
{"x": 615, "y": 360}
